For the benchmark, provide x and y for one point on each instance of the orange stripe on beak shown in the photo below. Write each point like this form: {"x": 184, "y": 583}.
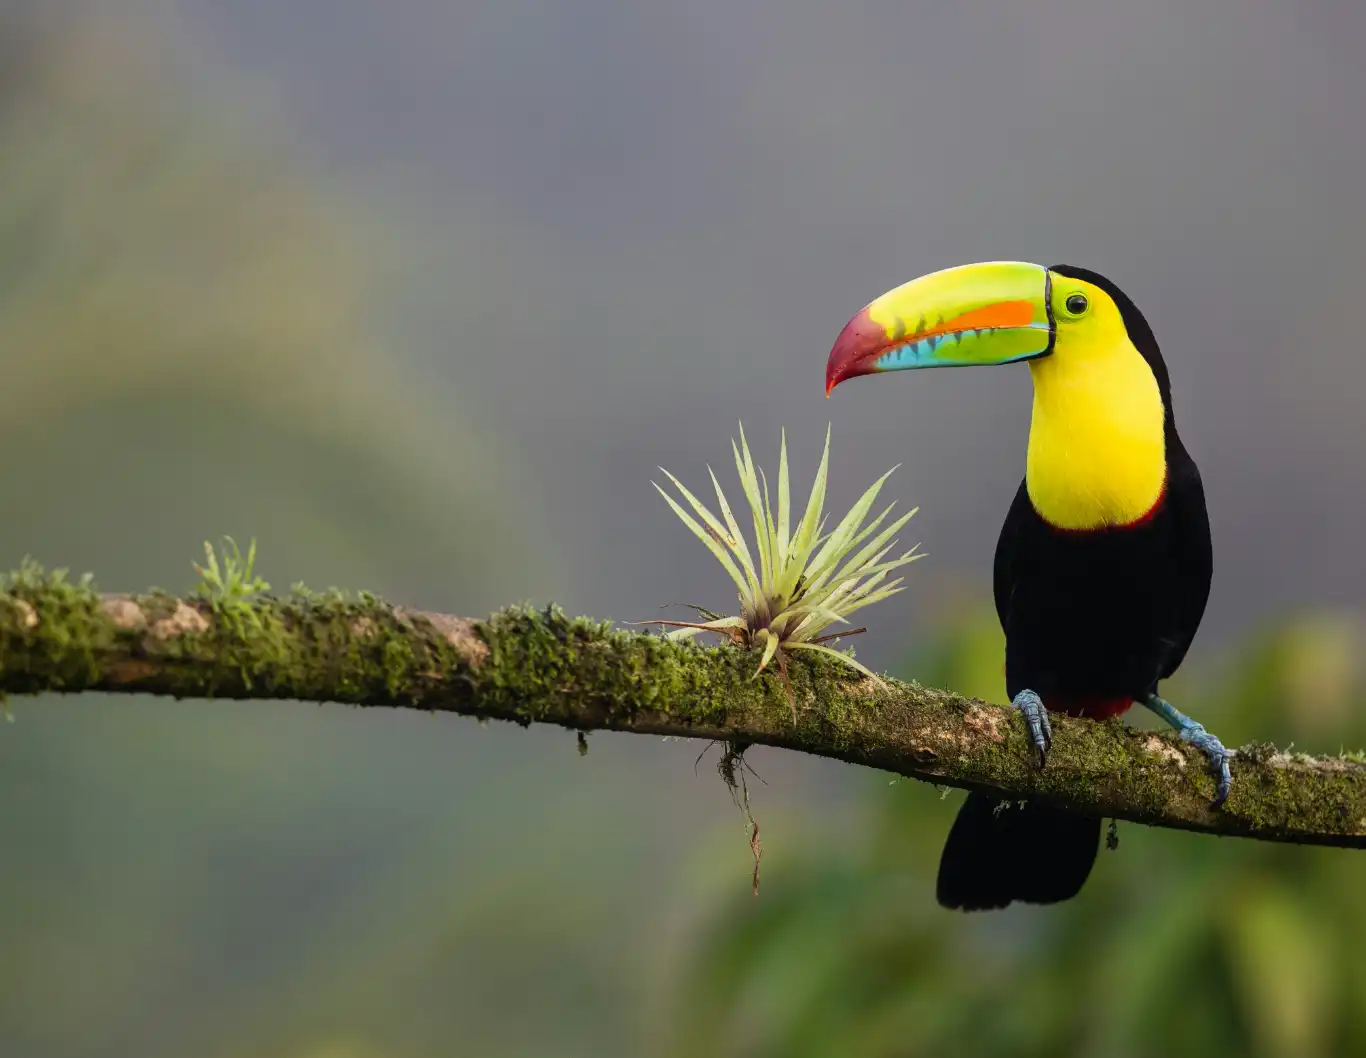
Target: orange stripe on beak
{"x": 988, "y": 317}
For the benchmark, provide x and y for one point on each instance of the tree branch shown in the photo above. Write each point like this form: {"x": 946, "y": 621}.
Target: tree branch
{"x": 540, "y": 666}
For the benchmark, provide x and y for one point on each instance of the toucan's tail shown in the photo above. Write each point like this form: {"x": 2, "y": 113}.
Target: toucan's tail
{"x": 998, "y": 854}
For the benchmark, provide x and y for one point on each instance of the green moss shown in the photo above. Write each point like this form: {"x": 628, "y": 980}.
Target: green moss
{"x": 543, "y": 664}
{"x": 1258, "y": 752}
{"x": 357, "y": 646}
{"x": 323, "y": 645}
{"x": 840, "y": 716}
{"x": 58, "y": 620}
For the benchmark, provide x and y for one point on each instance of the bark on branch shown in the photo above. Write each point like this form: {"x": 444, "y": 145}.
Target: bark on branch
{"x": 540, "y": 666}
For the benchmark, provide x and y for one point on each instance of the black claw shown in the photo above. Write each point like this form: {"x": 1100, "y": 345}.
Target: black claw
{"x": 1041, "y": 755}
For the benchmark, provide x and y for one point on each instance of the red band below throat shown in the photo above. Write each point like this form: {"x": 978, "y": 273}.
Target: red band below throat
{"x": 1088, "y": 707}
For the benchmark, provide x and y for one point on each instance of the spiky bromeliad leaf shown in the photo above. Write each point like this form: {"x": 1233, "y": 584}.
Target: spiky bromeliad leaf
{"x": 712, "y": 542}
{"x": 805, "y": 580}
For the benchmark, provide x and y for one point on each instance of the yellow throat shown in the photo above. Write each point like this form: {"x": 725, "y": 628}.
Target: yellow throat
{"x": 1097, "y": 454}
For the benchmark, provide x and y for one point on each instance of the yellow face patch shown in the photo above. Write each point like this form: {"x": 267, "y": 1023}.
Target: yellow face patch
{"x": 1097, "y": 454}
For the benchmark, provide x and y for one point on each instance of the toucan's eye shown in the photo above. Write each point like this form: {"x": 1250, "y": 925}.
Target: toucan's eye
{"x": 1076, "y": 304}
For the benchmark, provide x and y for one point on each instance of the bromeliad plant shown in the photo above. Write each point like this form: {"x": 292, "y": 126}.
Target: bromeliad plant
{"x": 804, "y": 580}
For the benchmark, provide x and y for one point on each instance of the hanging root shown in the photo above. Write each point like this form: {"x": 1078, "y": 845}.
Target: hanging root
{"x": 732, "y": 767}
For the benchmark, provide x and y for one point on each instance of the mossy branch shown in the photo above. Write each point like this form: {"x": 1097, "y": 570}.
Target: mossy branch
{"x": 540, "y": 666}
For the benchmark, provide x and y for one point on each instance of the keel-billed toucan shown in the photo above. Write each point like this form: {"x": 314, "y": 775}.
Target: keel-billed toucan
{"x": 1103, "y": 565}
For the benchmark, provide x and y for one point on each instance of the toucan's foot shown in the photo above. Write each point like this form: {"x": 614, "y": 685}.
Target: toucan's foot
{"x": 1195, "y": 733}
{"x": 1036, "y": 717}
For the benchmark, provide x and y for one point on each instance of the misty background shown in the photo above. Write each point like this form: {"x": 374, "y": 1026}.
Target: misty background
{"x": 420, "y": 294}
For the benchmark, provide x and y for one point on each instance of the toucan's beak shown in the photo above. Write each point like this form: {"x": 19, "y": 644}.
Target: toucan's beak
{"x": 998, "y": 312}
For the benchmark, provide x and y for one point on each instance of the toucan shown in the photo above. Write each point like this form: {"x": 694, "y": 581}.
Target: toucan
{"x": 1102, "y": 568}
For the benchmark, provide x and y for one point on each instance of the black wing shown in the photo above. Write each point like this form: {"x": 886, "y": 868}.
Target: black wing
{"x": 1192, "y": 553}
{"x": 1013, "y": 532}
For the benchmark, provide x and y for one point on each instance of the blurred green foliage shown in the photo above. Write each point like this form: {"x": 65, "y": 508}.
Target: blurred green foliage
{"x": 1180, "y": 944}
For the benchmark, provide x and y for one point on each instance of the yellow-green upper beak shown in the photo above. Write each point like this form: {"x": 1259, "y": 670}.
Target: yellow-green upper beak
{"x": 997, "y": 312}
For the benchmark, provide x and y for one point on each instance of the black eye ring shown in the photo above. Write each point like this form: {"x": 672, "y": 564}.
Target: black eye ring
{"x": 1077, "y": 304}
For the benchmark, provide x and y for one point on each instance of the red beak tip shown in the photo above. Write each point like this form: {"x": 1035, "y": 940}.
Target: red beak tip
{"x": 860, "y": 339}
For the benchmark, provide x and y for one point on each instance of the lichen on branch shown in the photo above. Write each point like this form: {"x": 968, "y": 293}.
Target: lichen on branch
{"x": 540, "y": 666}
